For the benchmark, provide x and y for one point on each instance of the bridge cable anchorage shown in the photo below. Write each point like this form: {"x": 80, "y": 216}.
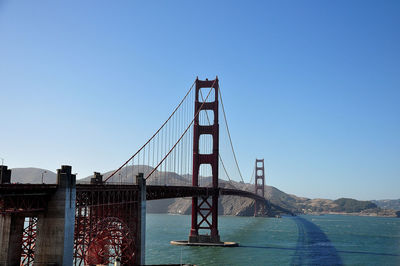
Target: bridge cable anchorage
{"x": 179, "y": 105}
{"x": 219, "y": 155}
{"x": 229, "y": 134}
{"x": 183, "y": 134}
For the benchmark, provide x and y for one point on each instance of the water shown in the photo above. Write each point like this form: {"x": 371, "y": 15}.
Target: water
{"x": 301, "y": 240}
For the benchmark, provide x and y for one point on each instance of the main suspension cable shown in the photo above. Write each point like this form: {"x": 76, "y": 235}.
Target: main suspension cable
{"x": 229, "y": 134}
{"x": 219, "y": 155}
{"x": 198, "y": 111}
{"x": 116, "y": 171}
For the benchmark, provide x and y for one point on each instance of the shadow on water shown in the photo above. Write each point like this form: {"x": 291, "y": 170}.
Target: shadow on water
{"x": 313, "y": 246}
{"x": 338, "y": 251}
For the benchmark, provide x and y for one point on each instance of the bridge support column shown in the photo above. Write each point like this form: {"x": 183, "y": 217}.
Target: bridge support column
{"x": 141, "y": 221}
{"x": 55, "y": 229}
{"x": 11, "y": 229}
{"x": 259, "y": 207}
{"x": 205, "y": 208}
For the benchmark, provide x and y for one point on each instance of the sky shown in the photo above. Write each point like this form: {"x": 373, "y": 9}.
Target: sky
{"x": 313, "y": 87}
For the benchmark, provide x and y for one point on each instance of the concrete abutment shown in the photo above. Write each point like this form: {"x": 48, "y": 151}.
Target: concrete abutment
{"x": 55, "y": 229}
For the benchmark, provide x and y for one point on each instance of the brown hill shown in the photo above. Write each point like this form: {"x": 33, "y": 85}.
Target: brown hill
{"x": 32, "y": 175}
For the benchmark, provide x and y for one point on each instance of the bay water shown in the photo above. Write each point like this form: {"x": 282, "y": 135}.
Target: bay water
{"x": 299, "y": 240}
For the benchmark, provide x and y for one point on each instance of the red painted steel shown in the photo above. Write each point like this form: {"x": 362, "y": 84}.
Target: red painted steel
{"x": 205, "y": 209}
{"x": 29, "y": 241}
{"x": 105, "y": 224}
{"x": 259, "y": 207}
{"x": 24, "y": 198}
{"x": 112, "y": 239}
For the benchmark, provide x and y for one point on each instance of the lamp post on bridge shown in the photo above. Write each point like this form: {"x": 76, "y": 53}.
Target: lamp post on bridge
{"x": 44, "y": 172}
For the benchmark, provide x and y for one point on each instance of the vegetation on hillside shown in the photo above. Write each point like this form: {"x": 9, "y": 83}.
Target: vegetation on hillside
{"x": 352, "y": 205}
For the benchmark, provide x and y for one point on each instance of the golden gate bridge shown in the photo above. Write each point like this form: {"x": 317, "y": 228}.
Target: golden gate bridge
{"x": 89, "y": 223}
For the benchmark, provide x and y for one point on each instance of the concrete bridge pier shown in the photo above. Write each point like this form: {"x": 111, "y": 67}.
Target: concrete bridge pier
{"x": 11, "y": 229}
{"x": 141, "y": 221}
{"x": 55, "y": 228}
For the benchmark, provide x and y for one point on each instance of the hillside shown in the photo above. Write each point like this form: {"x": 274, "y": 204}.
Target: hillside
{"x": 32, "y": 175}
{"x": 352, "y": 205}
{"x": 279, "y": 201}
{"x": 388, "y": 204}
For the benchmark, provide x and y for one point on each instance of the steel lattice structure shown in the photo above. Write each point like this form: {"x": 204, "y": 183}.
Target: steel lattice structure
{"x": 29, "y": 241}
{"x": 105, "y": 224}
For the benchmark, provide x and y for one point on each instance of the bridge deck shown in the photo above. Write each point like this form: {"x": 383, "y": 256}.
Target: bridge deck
{"x": 33, "y": 197}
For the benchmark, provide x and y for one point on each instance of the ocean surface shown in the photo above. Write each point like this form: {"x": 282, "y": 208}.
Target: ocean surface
{"x": 300, "y": 240}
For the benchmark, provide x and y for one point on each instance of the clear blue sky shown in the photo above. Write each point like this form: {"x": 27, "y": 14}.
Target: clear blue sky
{"x": 311, "y": 86}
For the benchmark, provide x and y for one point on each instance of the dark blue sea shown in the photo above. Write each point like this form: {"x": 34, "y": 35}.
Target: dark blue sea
{"x": 300, "y": 240}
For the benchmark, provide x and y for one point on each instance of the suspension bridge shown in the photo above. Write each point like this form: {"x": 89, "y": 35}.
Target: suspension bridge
{"x": 94, "y": 222}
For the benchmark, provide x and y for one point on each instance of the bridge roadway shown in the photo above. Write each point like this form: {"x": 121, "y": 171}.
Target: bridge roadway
{"x": 30, "y": 198}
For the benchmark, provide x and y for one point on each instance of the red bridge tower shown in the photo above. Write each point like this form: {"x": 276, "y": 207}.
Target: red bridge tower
{"x": 202, "y": 208}
{"x": 259, "y": 208}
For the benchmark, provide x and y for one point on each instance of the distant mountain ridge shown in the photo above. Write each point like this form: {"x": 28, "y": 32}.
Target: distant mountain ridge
{"x": 280, "y": 202}
{"x": 388, "y": 204}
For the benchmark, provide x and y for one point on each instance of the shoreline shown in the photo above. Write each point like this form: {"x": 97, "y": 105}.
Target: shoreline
{"x": 309, "y": 213}
{"x": 389, "y": 215}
